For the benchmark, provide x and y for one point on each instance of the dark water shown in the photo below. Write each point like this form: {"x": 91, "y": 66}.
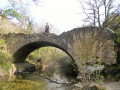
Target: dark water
{"x": 30, "y": 82}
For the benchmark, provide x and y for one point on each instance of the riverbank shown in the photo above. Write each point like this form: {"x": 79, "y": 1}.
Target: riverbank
{"x": 36, "y": 82}
{"x": 30, "y": 82}
{"x": 108, "y": 85}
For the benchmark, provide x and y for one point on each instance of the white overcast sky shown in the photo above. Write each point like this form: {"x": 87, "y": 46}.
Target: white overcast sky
{"x": 62, "y": 14}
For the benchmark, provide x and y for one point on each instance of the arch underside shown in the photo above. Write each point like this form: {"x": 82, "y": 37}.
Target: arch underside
{"x": 21, "y": 54}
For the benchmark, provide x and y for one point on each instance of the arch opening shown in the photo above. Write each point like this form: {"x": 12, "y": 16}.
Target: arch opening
{"x": 21, "y": 54}
{"x": 53, "y": 62}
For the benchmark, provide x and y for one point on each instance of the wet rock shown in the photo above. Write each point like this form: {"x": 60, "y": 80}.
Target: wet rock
{"x": 24, "y": 67}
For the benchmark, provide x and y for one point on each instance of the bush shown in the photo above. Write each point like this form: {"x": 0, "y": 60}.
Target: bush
{"x": 5, "y": 59}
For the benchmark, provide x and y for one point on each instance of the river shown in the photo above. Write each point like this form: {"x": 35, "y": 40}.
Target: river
{"x": 30, "y": 82}
{"x": 36, "y": 82}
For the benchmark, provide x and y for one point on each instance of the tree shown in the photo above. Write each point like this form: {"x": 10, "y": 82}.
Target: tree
{"x": 10, "y": 14}
{"x": 19, "y": 10}
{"x": 115, "y": 24}
{"x": 98, "y": 12}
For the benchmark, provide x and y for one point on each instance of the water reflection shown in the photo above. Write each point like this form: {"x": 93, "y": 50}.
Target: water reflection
{"x": 30, "y": 82}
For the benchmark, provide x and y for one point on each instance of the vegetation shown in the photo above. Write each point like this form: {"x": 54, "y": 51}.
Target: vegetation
{"x": 22, "y": 84}
{"x": 5, "y": 60}
{"x": 10, "y": 13}
{"x": 17, "y": 16}
{"x": 115, "y": 25}
{"x": 54, "y": 57}
{"x": 87, "y": 51}
{"x": 84, "y": 48}
{"x": 27, "y": 83}
{"x": 102, "y": 13}
{"x": 39, "y": 52}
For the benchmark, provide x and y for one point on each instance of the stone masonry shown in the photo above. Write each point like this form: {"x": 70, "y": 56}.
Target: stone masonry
{"x": 90, "y": 43}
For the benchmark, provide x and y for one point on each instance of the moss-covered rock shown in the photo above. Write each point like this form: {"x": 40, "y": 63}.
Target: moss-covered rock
{"x": 20, "y": 84}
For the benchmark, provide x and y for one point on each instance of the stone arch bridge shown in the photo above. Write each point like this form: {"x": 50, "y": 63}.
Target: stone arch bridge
{"x": 77, "y": 43}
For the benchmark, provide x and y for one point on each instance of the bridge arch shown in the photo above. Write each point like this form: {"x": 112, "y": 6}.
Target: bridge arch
{"x": 21, "y": 45}
{"x": 21, "y": 54}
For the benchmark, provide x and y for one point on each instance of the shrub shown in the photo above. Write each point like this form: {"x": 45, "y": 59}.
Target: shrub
{"x": 5, "y": 59}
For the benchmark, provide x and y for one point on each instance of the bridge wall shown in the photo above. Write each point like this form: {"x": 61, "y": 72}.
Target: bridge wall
{"x": 89, "y": 43}
{"x": 92, "y": 44}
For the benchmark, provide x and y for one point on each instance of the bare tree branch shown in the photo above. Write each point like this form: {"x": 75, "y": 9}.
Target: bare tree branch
{"x": 84, "y": 10}
{"x": 94, "y": 13}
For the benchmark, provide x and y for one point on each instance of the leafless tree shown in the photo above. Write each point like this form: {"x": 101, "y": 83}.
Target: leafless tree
{"x": 21, "y": 1}
{"x": 97, "y": 10}
{"x": 22, "y": 9}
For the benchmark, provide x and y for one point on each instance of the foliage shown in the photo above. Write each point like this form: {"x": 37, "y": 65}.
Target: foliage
{"x": 5, "y": 57}
{"x": 5, "y": 61}
{"x": 116, "y": 21}
{"x": 11, "y": 13}
{"x": 2, "y": 43}
{"x": 17, "y": 14}
{"x": 86, "y": 49}
{"x": 97, "y": 88}
{"x": 42, "y": 51}
{"x": 50, "y": 60}
{"x": 112, "y": 73}
{"x": 117, "y": 37}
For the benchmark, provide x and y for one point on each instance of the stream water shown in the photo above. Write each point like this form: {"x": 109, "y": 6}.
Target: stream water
{"x": 30, "y": 82}
{"x": 36, "y": 82}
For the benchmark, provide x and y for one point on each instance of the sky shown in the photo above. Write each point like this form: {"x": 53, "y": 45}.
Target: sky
{"x": 62, "y": 14}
